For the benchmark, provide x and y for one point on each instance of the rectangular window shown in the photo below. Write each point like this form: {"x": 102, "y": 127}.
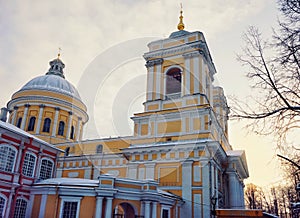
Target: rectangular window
{"x": 28, "y": 165}
{"x": 165, "y": 213}
{"x": 46, "y": 169}
{"x": 70, "y": 207}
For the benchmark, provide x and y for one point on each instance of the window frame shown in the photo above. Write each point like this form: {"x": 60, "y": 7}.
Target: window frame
{"x": 2, "y": 196}
{"x": 61, "y": 128}
{"x": 33, "y": 167}
{"x": 46, "y": 126}
{"x": 31, "y": 123}
{"x": 6, "y": 155}
{"x": 174, "y": 95}
{"x": 19, "y": 122}
{"x": 72, "y": 199}
{"x": 16, "y": 207}
{"x": 72, "y": 132}
{"x": 167, "y": 209}
{"x": 41, "y": 165}
{"x": 99, "y": 149}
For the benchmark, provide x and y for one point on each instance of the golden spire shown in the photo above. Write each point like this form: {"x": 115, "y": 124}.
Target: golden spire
{"x": 180, "y": 26}
{"x": 59, "y": 51}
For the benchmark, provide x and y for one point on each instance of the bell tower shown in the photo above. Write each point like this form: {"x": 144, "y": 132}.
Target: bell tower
{"x": 181, "y": 98}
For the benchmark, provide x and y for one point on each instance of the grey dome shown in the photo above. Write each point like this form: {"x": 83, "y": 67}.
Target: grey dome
{"x": 52, "y": 83}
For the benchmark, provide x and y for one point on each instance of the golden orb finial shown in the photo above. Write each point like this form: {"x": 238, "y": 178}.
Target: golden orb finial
{"x": 59, "y": 51}
{"x": 180, "y": 26}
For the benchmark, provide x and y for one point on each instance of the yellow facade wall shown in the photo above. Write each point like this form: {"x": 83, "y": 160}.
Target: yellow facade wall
{"x": 87, "y": 207}
{"x": 169, "y": 127}
{"x": 36, "y": 206}
{"x": 51, "y": 209}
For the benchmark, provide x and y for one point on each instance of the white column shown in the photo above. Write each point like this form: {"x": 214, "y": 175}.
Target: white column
{"x": 78, "y": 128}
{"x": 55, "y": 121}
{"x": 99, "y": 204}
{"x": 233, "y": 190}
{"x": 158, "y": 81}
{"x": 14, "y": 115}
{"x": 43, "y": 206}
{"x": 150, "y": 82}
{"x": 177, "y": 211}
{"x": 30, "y": 205}
{"x": 196, "y": 73}
{"x": 108, "y": 210}
{"x": 9, "y": 203}
{"x": 147, "y": 209}
{"x": 25, "y": 116}
{"x": 186, "y": 210}
{"x": 39, "y": 121}
{"x": 186, "y": 76}
{"x": 69, "y": 125}
{"x": 154, "y": 209}
{"x": 206, "y": 183}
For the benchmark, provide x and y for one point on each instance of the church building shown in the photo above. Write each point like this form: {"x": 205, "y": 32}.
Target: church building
{"x": 177, "y": 164}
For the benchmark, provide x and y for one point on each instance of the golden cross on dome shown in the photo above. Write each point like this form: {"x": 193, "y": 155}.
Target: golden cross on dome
{"x": 180, "y": 26}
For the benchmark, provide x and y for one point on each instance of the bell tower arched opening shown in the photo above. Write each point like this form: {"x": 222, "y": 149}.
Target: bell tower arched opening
{"x": 173, "y": 83}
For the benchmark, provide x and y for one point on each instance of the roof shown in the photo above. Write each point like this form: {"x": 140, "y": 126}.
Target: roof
{"x": 23, "y": 133}
{"x": 52, "y": 83}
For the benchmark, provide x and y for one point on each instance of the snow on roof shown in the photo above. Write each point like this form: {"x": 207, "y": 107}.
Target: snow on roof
{"x": 158, "y": 144}
{"x": 68, "y": 181}
{"x": 19, "y": 131}
{"x": 235, "y": 152}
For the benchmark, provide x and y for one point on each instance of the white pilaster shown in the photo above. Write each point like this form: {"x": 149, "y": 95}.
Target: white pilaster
{"x": 39, "y": 121}
{"x": 132, "y": 171}
{"x": 150, "y": 170}
{"x": 108, "y": 209}
{"x": 55, "y": 121}
{"x": 186, "y": 210}
{"x": 158, "y": 77}
{"x": 150, "y": 83}
{"x": 24, "y": 116}
{"x": 30, "y": 205}
{"x": 196, "y": 74}
{"x": 206, "y": 183}
{"x": 43, "y": 206}
{"x": 99, "y": 204}
{"x": 154, "y": 209}
{"x": 187, "y": 76}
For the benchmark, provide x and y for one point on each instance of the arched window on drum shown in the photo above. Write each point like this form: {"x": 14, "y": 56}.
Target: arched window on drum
{"x": 173, "y": 83}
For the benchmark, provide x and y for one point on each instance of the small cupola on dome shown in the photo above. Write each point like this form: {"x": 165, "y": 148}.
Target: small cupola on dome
{"x": 56, "y": 67}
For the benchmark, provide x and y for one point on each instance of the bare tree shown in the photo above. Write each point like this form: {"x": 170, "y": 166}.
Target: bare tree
{"x": 274, "y": 72}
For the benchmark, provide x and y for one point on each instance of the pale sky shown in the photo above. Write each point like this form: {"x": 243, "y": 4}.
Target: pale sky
{"x": 113, "y": 35}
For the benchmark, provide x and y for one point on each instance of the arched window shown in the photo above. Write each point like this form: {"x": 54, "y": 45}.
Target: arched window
{"x": 20, "y": 208}
{"x": 46, "y": 169}
{"x": 72, "y": 132}
{"x": 47, "y": 123}
{"x": 3, "y": 200}
{"x": 7, "y": 158}
{"x": 99, "y": 149}
{"x": 29, "y": 164}
{"x": 19, "y": 122}
{"x": 61, "y": 128}
{"x": 31, "y": 124}
{"x": 173, "y": 83}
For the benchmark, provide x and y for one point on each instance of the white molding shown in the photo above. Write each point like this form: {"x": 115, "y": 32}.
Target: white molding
{"x": 70, "y": 199}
